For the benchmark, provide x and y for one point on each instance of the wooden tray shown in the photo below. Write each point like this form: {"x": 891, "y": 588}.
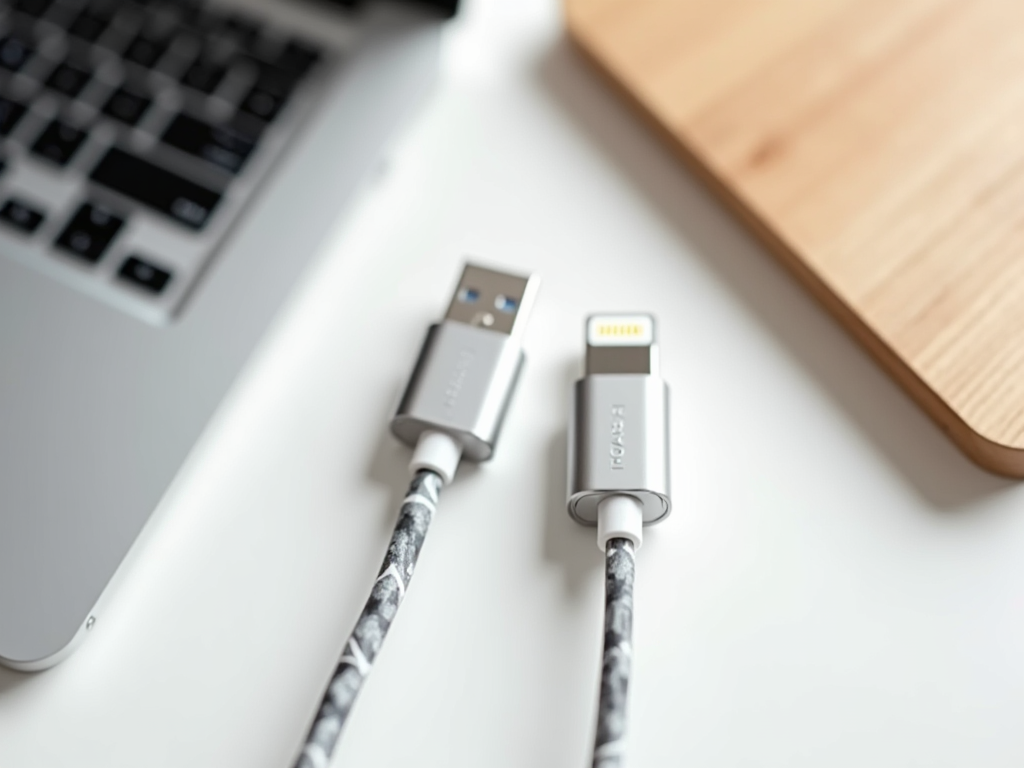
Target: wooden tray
{"x": 878, "y": 149}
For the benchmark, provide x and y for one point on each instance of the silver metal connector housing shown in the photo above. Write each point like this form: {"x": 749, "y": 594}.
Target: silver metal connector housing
{"x": 619, "y": 437}
{"x": 469, "y": 365}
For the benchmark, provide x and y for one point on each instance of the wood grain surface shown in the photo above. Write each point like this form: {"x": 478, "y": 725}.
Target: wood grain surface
{"x": 877, "y": 147}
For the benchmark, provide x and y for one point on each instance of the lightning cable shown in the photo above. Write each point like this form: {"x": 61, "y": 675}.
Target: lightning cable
{"x": 453, "y": 408}
{"x": 619, "y": 482}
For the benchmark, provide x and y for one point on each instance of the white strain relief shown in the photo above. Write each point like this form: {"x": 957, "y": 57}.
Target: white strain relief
{"x": 620, "y": 517}
{"x": 437, "y": 452}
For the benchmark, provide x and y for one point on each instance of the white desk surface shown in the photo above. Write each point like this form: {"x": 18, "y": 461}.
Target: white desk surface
{"x": 837, "y": 585}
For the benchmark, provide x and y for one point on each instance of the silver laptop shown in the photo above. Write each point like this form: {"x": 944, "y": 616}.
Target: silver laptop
{"x": 168, "y": 167}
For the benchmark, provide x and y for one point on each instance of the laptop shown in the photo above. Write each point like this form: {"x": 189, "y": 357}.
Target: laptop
{"x": 168, "y": 168}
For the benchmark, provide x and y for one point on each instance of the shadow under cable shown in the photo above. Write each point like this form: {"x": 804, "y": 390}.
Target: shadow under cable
{"x": 9, "y": 679}
{"x": 907, "y": 438}
{"x": 566, "y": 547}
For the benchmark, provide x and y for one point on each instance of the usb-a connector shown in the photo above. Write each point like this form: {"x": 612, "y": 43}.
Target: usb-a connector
{"x": 493, "y": 300}
{"x": 453, "y": 406}
{"x": 469, "y": 365}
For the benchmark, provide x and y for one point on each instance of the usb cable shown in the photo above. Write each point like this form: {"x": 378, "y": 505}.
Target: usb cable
{"x": 619, "y": 481}
{"x": 453, "y": 407}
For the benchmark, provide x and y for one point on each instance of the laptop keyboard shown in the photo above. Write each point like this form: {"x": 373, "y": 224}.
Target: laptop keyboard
{"x": 132, "y": 134}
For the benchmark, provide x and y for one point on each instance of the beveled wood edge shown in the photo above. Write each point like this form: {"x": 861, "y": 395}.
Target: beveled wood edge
{"x": 990, "y": 455}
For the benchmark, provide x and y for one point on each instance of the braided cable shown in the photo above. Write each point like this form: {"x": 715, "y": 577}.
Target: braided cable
{"x": 366, "y": 639}
{"x": 620, "y": 571}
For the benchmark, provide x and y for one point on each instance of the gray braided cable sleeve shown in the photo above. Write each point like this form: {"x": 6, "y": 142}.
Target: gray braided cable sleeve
{"x": 620, "y": 571}
{"x": 366, "y": 639}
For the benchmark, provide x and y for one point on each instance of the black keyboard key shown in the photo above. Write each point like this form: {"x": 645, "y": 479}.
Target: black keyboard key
{"x": 59, "y": 142}
{"x": 270, "y": 77}
{"x": 68, "y": 79}
{"x": 21, "y": 215}
{"x": 241, "y": 27}
{"x": 145, "y": 50}
{"x": 184, "y": 201}
{"x": 89, "y": 233}
{"x": 275, "y": 80}
{"x": 188, "y": 45}
{"x": 189, "y": 13}
{"x": 34, "y": 8}
{"x": 298, "y": 58}
{"x": 201, "y": 19}
{"x": 144, "y": 274}
{"x": 223, "y": 147}
{"x": 10, "y": 113}
{"x": 14, "y": 52}
{"x": 89, "y": 25}
{"x": 262, "y": 103}
{"x": 100, "y": 7}
{"x": 203, "y": 75}
{"x": 125, "y": 18}
{"x": 127, "y": 106}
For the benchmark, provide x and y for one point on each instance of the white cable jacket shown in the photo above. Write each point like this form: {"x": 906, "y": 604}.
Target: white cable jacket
{"x": 620, "y": 517}
{"x": 437, "y": 452}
